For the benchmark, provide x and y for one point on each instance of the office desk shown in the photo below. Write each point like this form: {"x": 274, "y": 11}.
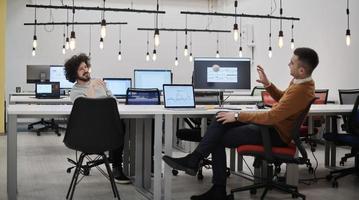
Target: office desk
{"x": 157, "y": 112}
{"x": 30, "y": 99}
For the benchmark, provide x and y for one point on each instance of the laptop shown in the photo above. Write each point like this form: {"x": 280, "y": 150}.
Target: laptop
{"x": 47, "y": 90}
{"x": 118, "y": 86}
{"x": 178, "y": 96}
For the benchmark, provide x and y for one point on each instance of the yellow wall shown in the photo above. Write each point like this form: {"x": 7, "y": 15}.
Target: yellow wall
{"x": 2, "y": 62}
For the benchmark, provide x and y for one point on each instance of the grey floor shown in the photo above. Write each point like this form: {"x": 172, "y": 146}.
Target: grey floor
{"x": 42, "y": 175}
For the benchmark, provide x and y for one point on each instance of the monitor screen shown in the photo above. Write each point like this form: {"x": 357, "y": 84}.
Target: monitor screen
{"x": 152, "y": 78}
{"x": 57, "y": 74}
{"x": 47, "y": 90}
{"x": 118, "y": 86}
{"x": 222, "y": 73}
{"x": 178, "y": 96}
{"x": 37, "y": 73}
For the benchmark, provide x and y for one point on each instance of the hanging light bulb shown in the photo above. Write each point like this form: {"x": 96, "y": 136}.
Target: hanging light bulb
{"x": 33, "y": 51}
{"x": 67, "y": 44}
{"x": 154, "y": 56}
{"x": 72, "y": 40}
{"x": 235, "y": 32}
{"x": 292, "y": 44}
{"x": 101, "y": 43}
{"x": 185, "y": 52}
{"x": 157, "y": 37}
{"x": 119, "y": 57}
{"x": 176, "y": 61}
{"x": 190, "y": 57}
{"x": 270, "y": 52}
{"x": 63, "y": 49}
{"x": 240, "y": 52}
{"x": 217, "y": 54}
{"x": 280, "y": 40}
{"x": 103, "y": 28}
{"x": 34, "y": 42}
{"x": 147, "y": 56}
{"x": 347, "y": 38}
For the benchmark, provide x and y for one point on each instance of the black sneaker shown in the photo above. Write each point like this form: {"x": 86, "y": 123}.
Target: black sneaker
{"x": 215, "y": 193}
{"x": 119, "y": 176}
{"x": 188, "y": 164}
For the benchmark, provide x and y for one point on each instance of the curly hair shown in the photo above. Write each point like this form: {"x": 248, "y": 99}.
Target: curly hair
{"x": 72, "y": 65}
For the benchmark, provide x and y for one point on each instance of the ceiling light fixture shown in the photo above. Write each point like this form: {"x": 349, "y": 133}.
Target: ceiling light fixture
{"x": 217, "y": 52}
{"x": 280, "y": 39}
{"x": 119, "y": 57}
{"x": 73, "y": 36}
{"x": 147, "y": 44}
{"x": 103, "y": 22}
{"x": 176, "y": 59}
{"x": 157, "y": 32}
{"x": 235, "y": 26}
{"x": 292, "y": 40}
{"x": 347, "y": 34}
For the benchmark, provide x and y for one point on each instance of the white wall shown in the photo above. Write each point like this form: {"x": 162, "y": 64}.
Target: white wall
{"x": 322, "y": 27}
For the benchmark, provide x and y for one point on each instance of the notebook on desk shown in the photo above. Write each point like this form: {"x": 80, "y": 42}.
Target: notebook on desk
{"x": 178, "y": 96}
{"x": 47, "y": 90}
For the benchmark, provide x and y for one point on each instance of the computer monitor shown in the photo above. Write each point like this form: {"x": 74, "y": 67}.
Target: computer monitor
{"x": 222, "y": 73}
{"x": 118, "y": 86}
{"x": 37, "y": 73}
{"x": 57, "y": 74}
{"x": 152, "y": 78}
{"x": 178, "y": 96}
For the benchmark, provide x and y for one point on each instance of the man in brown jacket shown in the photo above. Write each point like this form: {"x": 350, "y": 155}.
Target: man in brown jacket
{"x": 232, "y": 129}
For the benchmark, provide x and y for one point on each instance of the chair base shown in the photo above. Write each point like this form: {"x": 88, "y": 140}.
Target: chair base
{"x": 343, "y": 172}
{"x": 268, "y": 186}
{"x": 48, "y": 125}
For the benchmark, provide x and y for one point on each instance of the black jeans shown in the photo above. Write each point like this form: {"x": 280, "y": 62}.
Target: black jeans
{"x": 232, "y": 135}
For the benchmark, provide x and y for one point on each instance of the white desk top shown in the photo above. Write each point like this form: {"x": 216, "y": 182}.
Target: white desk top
{"x": 23, "y": 109}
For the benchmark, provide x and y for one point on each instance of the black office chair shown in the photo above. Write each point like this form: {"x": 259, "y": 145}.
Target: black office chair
{"x": 351, "y": 139}
{"x": 275, "y": 156}
{"x": 93, "y": 128}
{"x": 47, "y": 125}
{"x": 347, "y": 96}
{"x": 257, "y": 91}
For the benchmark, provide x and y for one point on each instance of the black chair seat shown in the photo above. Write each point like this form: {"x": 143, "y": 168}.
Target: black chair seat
{"x": 343, "y": 139}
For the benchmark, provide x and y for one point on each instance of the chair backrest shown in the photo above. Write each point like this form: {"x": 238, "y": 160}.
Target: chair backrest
{"x": 267, "y": 99}
{"x": 322, "y": 96}
{"x": 94, "y": 126}
{"x": 348, "y": 96}
{"x": 256, "y": 91}
{"x": 353, "y": 122}
{"x": 140, "y": 96}
{"x": 296, "y": 130}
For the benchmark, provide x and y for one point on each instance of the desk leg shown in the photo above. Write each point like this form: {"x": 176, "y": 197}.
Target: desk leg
{"x": 157, "y": 157}
{"x": 327, "y": 144}
{"x": 168, "y": 151}
{"x": 12, "y": 158}
{"x": 139, "y": 153}
{"x": 126, "y": 147}
{"x": 333, "y": 153}
{"x": 147, "y": 154}
{"x": 132, "y": 149}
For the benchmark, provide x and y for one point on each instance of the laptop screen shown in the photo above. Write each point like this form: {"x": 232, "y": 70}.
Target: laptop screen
{"x": 178, "y": 96}
{"x": 47, "y": 90}
{"x": 118, "y": 86}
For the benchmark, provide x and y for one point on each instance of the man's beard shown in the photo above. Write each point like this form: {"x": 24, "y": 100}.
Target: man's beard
{"x": 86, "y": 77}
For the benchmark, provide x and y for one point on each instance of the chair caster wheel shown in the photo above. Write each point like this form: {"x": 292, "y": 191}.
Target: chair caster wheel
{"x": 341, "y": 163}
{"x": 310, "y": 170}
{"x": 329, "y": 177}
{"x": 230, "y": 197}
{"x": 200, "y": 177}
{"x": 68, "y": 171}
{"x": 294, "y": 196}
{"x": 29, "y": 127}
{"x": 38, "y": 133}
{"x": 174, "y": 172}
{"x": 335, "y": 184}
{"x": 253, "y": 191}
{"x": 228, "y": 172}
{"x": 86, "y": 172}
{"x": 58, "y": 134}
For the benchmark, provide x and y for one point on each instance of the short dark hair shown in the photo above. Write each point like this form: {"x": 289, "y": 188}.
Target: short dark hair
{"x": 308, "y": 57}
{"x": 73, "y": 64}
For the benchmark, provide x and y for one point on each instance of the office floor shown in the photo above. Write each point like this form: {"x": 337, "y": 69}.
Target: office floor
{"x": 42, "y": 175}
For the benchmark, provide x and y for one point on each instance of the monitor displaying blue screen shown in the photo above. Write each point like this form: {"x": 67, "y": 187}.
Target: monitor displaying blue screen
{"x": 118, "y": 86}
{"x": 178, "y": 96}
{"x": 57, "y": 74}
{"x": 222, "y": 73}
{"x": 152, "y": 78}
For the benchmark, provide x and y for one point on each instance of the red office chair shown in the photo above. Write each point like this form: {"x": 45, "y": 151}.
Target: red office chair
{"x": 275, "y": 156}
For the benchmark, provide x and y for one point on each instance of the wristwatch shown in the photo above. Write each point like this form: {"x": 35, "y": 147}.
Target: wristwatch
{"x": 236, "y": 115}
